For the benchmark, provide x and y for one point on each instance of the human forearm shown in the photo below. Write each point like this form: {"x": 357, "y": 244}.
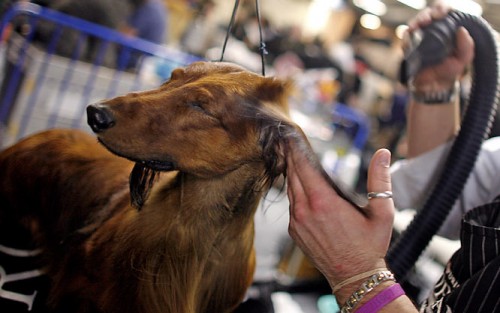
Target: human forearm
{"x": 434, "y": 112}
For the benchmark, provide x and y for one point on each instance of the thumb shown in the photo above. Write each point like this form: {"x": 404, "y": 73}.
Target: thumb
{"x": 379, "y": 180}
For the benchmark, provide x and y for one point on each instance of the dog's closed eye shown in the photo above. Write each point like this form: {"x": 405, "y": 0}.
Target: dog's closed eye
{"x": 201, "y": 107}
{"x": 197, "y": 105}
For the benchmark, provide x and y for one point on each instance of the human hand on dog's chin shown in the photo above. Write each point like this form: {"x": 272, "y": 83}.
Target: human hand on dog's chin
{"x": 339, "y": 240}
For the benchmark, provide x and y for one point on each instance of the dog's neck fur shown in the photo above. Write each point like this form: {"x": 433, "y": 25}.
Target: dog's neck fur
{"x": 199, "y": 239}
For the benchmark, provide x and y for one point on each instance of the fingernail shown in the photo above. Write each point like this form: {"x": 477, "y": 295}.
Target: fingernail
{"x": 385, "y": 158}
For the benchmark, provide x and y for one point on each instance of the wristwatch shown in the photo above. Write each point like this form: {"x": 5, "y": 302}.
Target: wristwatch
{"x": 435, "y": 97}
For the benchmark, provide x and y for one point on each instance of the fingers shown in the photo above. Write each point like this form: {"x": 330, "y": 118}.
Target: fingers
{"x": 298, "y": 165}
{"x": 465, "y": 46}
{"x": 438, "y": 11}
{"x": 309, "y": 189}
{"x": 422, "y": 19}
{"x": 379, "y": 180}
{"x": 306, "y": 172}
{"x": 295, "y": 189}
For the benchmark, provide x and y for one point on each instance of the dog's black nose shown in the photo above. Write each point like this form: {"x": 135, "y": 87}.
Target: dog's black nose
{"x": 99, "y": 117}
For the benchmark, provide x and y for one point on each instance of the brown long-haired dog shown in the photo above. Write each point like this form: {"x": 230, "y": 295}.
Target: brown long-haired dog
{"x": 200, "y": 151}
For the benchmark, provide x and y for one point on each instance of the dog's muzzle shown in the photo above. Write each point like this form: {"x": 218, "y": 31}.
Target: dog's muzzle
{"x": 99, "y": 117}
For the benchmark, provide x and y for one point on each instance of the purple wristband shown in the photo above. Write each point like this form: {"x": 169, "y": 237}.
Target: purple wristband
{"x": 382, "y": 299}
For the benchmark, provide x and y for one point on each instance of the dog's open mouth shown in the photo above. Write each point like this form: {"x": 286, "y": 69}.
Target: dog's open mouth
{"x": 155, "y": 165}
{"x": 160, "y": 166}
{"x": 142, "y": 178}
{"x": 143, "y": 175}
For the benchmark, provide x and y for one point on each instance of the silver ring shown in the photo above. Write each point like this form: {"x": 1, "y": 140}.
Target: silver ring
{"x": 379, "y": 195}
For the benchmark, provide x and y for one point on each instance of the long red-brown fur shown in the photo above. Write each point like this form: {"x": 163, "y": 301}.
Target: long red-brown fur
{"x": 187, "y": 244}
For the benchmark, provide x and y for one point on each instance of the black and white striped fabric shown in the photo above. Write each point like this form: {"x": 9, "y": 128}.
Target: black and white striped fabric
{"x": 471, "y": 280}
{"x": 23, "y": 285}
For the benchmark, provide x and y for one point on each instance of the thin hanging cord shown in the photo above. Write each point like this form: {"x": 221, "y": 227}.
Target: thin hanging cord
{"x": 262, "y": 47}
{"x": 230, "y": 27}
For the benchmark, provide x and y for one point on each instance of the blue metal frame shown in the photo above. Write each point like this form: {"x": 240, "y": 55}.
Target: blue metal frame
{"x": 359, "y": 119}
{"x": 128, "y": 46}
{"x": 96, "y": 30}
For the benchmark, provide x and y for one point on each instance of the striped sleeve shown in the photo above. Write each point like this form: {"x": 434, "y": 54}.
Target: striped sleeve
{"x": 471, "y": 281}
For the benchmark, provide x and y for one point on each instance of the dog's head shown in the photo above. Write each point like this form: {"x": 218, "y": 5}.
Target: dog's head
{"x": 207, "y": 120}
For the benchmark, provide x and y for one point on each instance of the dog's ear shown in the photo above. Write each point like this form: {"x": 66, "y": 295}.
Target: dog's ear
{"x": 275, "y": 132}
{"x": 275, "y": 90}
{"x": 177, "y": 73}
{"x": 274, "y": 94}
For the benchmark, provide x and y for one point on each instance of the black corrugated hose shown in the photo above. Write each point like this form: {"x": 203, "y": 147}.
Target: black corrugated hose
{"x": 476, "y": 124}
